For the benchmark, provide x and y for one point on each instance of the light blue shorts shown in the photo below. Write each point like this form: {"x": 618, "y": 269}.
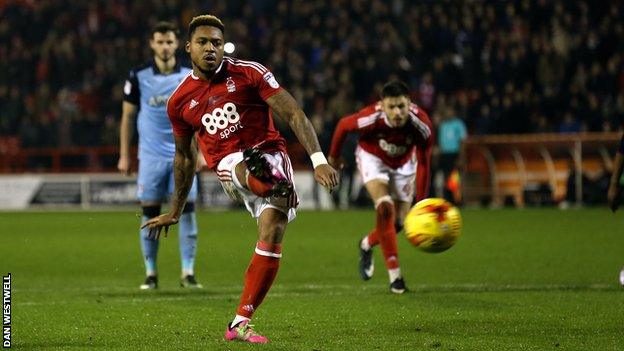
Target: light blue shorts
{"x": 156, "y": 182}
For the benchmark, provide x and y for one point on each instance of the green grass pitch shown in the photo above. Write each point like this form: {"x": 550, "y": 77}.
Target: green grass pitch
{"x": 538, "y": 279}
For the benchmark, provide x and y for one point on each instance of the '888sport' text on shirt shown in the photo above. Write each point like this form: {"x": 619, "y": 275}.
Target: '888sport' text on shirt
{"x": 149, "y": 89}
{"x": 229, "y": 112}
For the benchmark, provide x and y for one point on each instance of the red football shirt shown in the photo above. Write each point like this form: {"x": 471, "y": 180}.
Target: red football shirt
{"x": 393, "y": 145}
{"x": 229, "y": 112}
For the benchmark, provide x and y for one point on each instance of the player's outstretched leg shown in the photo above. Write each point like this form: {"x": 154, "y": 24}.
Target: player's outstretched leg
{"x": 263, "y": 177}
{"x": 258, "y": 280}
{"x": 188, "y": 246}
{"x": 622, "y": 276}
{"x": 259, "y": 276}
{"x": 384, "y": 207}
{"x": 149, "y": 247}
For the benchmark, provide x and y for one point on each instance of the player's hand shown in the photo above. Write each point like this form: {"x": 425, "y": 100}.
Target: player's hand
{"x": 156, "y": 225}
{"x": 123, "y": 165}
{"x": 613, "y": 197}
{"x": 337, "y": 163}
{"x": 327, "y": 176}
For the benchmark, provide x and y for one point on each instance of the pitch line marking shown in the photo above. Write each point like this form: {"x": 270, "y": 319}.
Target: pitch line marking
{"x": 285, "y": 290}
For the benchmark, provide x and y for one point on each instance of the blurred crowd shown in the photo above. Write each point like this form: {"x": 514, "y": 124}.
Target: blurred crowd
{"x": 502, "y": 67}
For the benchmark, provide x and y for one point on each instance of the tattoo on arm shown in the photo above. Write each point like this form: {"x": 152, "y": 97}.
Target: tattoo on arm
{"x": 183, "y": 171}
{"x": 286, "y": 107}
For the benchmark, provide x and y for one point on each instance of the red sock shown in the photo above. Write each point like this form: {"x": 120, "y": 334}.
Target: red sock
{"x": 258, "y": 187}
{"x": 373, "y": 238}
{"x": 259, "y": 277}
{"x": 387, "y": 234}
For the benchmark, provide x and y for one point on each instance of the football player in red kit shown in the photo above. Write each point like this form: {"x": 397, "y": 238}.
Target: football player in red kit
{"x": 393, "y": 157}
{"x": 228, "y": 105}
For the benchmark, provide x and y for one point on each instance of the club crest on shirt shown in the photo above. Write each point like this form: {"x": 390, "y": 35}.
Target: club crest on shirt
{"x": 230, "y": 85}
{"x": 271, "y": 80}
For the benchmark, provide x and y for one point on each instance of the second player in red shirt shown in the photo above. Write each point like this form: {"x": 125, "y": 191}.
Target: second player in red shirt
{"x": 393, "y": 156}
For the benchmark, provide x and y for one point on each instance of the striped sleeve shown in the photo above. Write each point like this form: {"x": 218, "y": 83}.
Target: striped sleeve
{"x": 262, "y": 78}
{"x": 357, "y": 121}
{"x": 420, "y": 120}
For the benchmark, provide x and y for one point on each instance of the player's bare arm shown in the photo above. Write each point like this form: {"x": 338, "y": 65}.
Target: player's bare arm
{"x": 423, "y": 173}
{"x": 184, "y": 164}
{"x": 128, "y": 115}
{"x": 184, "y": 169}
{"x": 345, "y": 126}
{"x": 613, "y": 194}
{"x": 201, "y": 162}
{"x": 286, "y": 107}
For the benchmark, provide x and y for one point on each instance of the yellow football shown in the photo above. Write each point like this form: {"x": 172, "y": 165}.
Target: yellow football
{"x": 433, "y": 225}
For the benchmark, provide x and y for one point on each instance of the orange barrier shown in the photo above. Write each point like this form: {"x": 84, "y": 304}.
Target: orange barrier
{"x": 503, "y": 167}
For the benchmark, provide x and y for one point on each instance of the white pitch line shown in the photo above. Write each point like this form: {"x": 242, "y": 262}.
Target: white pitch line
{"x": 233, "y": 291}
{"x": 193, "y": 297}
{"x": 419, "y": 287}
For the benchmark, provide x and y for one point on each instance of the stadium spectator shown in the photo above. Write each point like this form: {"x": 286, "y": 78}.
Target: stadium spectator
{"x": 569, "y": 124}
{"x": 393, "y": 157}
{"x": 542, "y": 58}
{"x": 145, "y": 94}
{"x": 228, "y": 104}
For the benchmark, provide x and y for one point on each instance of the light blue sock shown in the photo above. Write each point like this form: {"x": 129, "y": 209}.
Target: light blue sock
{"x": 150, "y": 250}
{"x": 188, "y": 242}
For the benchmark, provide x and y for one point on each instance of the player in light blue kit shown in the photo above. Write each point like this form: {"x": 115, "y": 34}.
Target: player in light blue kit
{"x": 146, "y": 92}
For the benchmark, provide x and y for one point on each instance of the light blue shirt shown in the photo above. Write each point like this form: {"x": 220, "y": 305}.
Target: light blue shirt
{"x": 148, "y": 88}
{"x": 450, "y": 135}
